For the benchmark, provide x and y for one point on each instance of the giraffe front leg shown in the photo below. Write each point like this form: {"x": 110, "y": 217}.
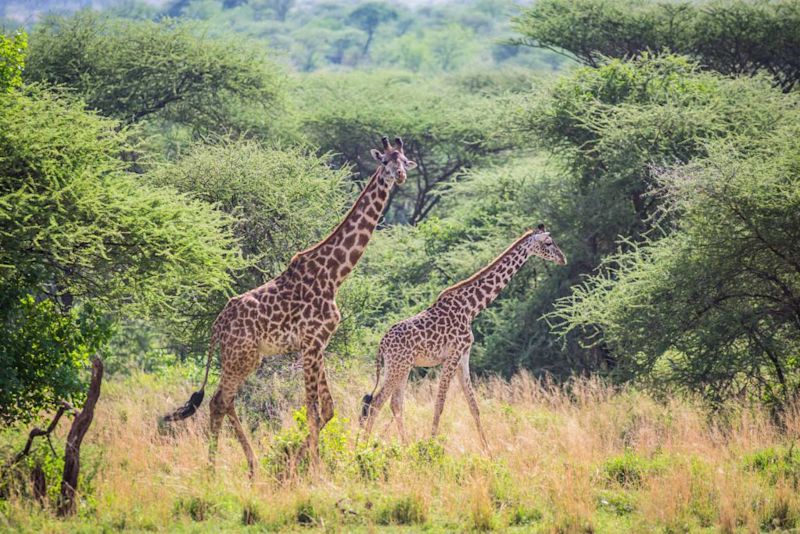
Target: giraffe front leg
{"x": 325, "y": 399}
{"x": 397, "y": 409}
{"x": 394, "y": 376}
{"x": 444, "y": 384}
{"x": 469, "y": 393}
{"x": 242, "y": 437}
{"x": 312, "y": 359}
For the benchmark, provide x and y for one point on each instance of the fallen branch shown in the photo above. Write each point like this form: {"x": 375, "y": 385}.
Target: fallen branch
{"x": 37, "y": 432}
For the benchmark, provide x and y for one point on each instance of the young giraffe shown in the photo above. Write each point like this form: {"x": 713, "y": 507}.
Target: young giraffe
{"x": 296, "y": 312}
{"x": 442, "y": 333}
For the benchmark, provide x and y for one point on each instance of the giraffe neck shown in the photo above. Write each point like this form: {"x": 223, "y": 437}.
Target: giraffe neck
{"x": 473, "y": 295}
{"x": 337, "y": 254}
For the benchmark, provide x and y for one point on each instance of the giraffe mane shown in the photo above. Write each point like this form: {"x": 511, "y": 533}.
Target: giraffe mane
{"x": 483, "y": 271}
{"x": 325, "y": 241}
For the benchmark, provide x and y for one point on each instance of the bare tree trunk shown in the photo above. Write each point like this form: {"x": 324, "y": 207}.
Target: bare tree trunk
{"x": 72, "y": 454}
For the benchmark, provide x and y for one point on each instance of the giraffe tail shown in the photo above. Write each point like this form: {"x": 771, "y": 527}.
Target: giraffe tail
{"x": 194, "y": 402}
{"x": 366, "y": 401}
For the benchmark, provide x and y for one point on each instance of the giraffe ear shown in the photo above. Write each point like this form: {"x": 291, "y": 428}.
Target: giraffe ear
{"x": 410, "y": 165}
{"x": 376, "y": 154}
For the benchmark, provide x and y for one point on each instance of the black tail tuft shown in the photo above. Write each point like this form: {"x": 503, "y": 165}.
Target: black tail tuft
{"x": 365, "y": 403}
{"x": 188, "y": 409}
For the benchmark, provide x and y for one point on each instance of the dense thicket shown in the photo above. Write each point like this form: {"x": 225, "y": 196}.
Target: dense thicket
{"x": 739, "y": 37}
{"x": 713, "y": 306}
{"x": 77, "y": 231}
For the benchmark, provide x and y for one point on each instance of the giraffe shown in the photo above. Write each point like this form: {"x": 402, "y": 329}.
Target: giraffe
{"x": 295, "y": 312}
{"x": 442, "y": 334}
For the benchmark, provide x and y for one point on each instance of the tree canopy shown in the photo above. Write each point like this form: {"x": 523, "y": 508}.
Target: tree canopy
{"x": 731, "y": 37}
{"x": 166, "y": 71}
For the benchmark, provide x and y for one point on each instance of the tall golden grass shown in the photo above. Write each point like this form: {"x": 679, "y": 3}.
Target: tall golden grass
{"x": 584, "y": 457}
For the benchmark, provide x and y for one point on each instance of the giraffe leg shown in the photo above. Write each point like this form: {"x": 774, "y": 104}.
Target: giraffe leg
{"x": 242, "y": 437}
{"x": 397, "y": 408}
{"x": 392, "y": 380}
{"x": 218, "y": 411}
{"x": 325, "y": 399}
{"x": 444, "y": 384}
{"x": 469, "y": 394}
{"x": 312, "y": 359}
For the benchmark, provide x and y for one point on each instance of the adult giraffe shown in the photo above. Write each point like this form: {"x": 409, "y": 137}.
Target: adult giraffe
{"x": 442, "y": 333}
{"x": 296, "y": 312}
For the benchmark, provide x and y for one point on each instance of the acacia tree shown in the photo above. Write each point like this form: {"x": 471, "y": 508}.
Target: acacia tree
{"x": 82, "y": 241}
{"x": 281, "y": 200}
{"x": 712, "y": 307}
{"x": 445, "y": 131}
{"x": 607, "y": 127}
{"x": 731, "y": 37}
{"x": 164, "y": 71}
{"x": 368, "y": 16}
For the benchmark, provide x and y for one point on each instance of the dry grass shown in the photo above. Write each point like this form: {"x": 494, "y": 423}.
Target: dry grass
{"x": 585, "y": 458}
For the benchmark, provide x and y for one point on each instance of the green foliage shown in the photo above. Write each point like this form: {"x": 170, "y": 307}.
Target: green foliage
{"x": 731, "y": 37}
{"x": 617, "y": 502}
{"x": 81, "y": 240}
{"x": 12, "y": 60}
{"x": 169, "y": 72}
{"x": 43, "y": 353}
{"x": 73, "y": 220}
{"x": 710, "y": 306}
{"x": 524, "y": 516}
{"x": 336, "y": 34}
{"x": 368, "y": 16}
{"x": 776, "y": 463}
{"x": 284, "y": 460}
{"x": 630, "y": 469}
{"x": 282, "y": 200}
{"x": 445, "y": 130}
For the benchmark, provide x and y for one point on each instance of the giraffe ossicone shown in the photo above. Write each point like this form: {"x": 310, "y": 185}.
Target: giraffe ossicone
{"x": 296, "y": 312}
{"x": 442, "y": 334}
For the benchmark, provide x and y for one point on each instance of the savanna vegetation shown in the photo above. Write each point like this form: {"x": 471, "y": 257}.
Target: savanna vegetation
{"x": 157, "y": 158}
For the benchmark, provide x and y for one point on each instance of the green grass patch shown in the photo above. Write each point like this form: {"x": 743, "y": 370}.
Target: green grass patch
{"x": 629, "y": 470}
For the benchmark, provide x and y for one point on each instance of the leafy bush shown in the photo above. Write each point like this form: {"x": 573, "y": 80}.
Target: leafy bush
{"x": 283, "y": 460}
{"x": 523, "y": 515}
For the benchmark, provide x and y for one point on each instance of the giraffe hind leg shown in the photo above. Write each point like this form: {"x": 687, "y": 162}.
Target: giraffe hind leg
{"x": 217, "y": 414}
{"x": 397, "y": 409}
{"x": 469, "y": 394}
{"x": 242, "y": 437}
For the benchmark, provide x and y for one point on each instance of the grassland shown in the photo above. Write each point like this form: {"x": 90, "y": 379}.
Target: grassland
{"x": 587, "y": 458}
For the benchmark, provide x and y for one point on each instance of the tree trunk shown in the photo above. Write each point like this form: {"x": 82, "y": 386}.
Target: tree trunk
{"x": 72, "y": 454}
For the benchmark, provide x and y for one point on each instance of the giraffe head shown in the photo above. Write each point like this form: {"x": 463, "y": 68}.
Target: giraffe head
{"x": 545, "y": 247}
{"x": 394, "y": 161}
